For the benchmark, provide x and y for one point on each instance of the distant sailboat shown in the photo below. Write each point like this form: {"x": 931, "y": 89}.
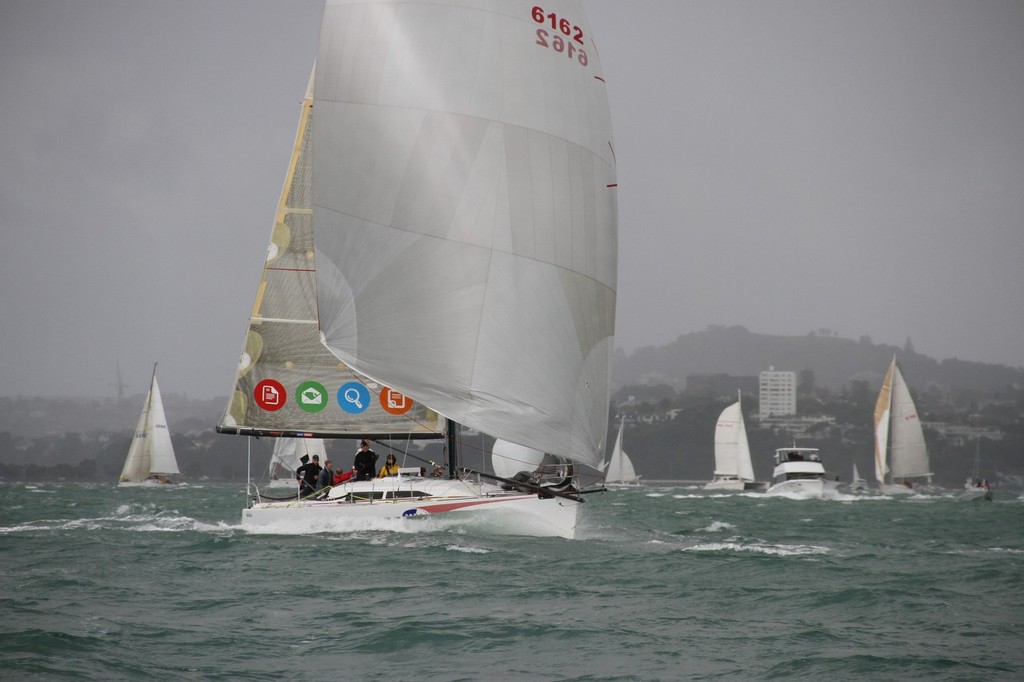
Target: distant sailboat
{"x": 733, "y": 467}
{"x": 900, "y": 452}
{"x": 975, "y": 487}
{"x": 150, "y": 459}
{"x": 286, "y": 459}
{"x": 620, "y": 471}
{"x": 857, "y": 484}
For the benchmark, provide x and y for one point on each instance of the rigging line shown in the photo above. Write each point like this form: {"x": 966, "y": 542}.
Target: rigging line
{"x": 405, "y": 453}
{"x": 407, "y": 416}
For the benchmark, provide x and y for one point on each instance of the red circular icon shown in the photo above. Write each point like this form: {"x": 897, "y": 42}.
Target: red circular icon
{"x": 270, "y": 395}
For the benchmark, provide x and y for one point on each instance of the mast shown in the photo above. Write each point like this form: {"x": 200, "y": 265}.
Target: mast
{"x": 452, "y": 445}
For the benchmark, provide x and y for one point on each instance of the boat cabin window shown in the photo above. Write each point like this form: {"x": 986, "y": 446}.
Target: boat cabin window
{"x": 404, "y": 494}
{"x": 797, "y": 456}
{"x": 363, "y": 496}
{"x": 383, "y": 495}
{"x": 802, "y": 476}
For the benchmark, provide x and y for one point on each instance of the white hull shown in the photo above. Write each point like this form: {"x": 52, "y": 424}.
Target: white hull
{"x": 975, "y": 494}
{"x": 486, "y": 507}
{"x": 810, "y": 488}
{"x": 799, "y": 473}
{"x": 149, "y": 483}
{"x": 725, "y": 484}
{"x": 735, "y": 485}
{"x": 896, "y": 489}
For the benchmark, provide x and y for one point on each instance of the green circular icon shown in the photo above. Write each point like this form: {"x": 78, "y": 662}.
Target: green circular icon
{"x": 311, "y": 396}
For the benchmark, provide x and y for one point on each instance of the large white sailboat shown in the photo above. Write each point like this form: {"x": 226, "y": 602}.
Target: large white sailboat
{"x": 151, "y": 459}
{"x": 734, "y": 469}
{"x": 455, "y": 163}
{"x": 900, "y": 452}
{"x": 620, "y": 471}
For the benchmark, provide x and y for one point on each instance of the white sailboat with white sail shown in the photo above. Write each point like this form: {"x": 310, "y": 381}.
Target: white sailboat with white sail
{"x": 461, "y": 189}
{"x": 734, "y": 469}
{"x": 900, "y": 452}
{"x": 857, "y": 482}
{"x": 151, "y": 460}
{"x": 287, "y": 457}
{"x": 620, "y": 472}
{"x": 976, "y": 487}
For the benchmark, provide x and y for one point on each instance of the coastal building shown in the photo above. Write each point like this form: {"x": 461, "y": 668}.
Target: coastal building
{"x": 777, "y": 393}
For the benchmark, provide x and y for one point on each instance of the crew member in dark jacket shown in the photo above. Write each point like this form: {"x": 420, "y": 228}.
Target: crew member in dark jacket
{"x": 365, "y": 462}
{"x": 307, "y": 474}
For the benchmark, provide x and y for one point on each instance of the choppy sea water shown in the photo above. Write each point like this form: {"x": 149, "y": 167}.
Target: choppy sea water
{"x": 664, "y": 584}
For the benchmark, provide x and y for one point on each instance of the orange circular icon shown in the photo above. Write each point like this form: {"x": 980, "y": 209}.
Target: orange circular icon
{"x": 394, "y": 402}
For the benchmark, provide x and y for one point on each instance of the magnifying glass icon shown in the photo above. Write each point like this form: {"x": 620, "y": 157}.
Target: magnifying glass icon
{"x": 352, "y": 396}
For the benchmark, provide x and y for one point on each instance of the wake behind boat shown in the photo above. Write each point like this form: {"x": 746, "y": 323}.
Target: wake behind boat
{"x": 150, "y": 460}
{"x": 463, "y": 266}
{"x": 799, "y": 472}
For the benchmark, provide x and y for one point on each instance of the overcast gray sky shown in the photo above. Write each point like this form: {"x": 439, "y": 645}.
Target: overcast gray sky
{"x": 783, "y": 165}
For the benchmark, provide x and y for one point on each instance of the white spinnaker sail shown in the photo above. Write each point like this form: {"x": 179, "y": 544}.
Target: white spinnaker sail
{"x": 620, "y": 467}
{"x": 732, "y": 451}
{"x": 909, "y": 456}
{"x": 508, "y": 459}
{"x": 465, "y": 211}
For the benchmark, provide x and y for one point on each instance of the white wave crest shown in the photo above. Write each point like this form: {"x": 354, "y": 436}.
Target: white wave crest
{"x": 773, "y": 550}
{"x": 716, "y": 526}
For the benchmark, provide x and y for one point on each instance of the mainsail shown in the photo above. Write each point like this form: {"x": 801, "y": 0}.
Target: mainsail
{"x": 732, "y": 452}
{"x": 465, "y": 211}
{"x": 882, "y": 410}
{"x": 288, "y": 383}
{"x": 151, "y": 452}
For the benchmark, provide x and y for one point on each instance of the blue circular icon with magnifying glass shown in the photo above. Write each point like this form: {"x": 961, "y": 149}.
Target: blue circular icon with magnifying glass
{"x": 354, "y": 397}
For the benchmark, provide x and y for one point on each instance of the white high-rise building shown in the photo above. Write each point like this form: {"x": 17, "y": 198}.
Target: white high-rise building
{"x": 777, "y": 393}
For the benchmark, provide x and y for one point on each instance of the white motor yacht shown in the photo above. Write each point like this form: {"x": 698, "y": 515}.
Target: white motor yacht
{"x": 799, "y": 472}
